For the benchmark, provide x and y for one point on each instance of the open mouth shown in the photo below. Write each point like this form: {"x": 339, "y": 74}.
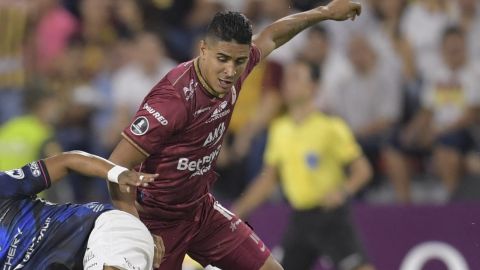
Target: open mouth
{"x": 225, "y": 84}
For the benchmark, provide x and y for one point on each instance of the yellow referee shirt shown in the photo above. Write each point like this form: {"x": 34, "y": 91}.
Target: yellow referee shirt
{"x": 310, "y": 156}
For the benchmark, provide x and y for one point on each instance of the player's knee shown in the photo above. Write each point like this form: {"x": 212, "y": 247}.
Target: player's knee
{"x": 271, "y": 264}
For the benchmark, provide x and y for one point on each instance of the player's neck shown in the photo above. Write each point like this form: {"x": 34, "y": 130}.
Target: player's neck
{"x": 198, "y": 67}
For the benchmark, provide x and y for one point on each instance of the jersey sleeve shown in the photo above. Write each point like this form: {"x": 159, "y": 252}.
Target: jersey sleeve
{"x": 344, "y": 146}
{"x": 253, "y": 60}
{"x": 272, "y": 79}
{"x": 26, "y": 181}
{"x": 162, "y": 113}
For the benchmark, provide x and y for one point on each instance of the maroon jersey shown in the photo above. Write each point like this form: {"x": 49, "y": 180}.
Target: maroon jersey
{"x": 180, "y": 127}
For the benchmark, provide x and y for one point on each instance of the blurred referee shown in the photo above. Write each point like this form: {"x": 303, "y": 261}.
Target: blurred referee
{"x": 320, "y": 166}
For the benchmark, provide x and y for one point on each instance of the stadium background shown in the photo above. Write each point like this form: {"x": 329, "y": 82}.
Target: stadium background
{"x": 72, "y": 73}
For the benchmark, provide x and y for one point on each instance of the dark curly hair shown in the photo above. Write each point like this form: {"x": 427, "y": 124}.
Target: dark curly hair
{"x": 230, "y": 26}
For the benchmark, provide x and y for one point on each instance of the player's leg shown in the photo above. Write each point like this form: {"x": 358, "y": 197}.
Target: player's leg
{"x": 176, "y": 237}
{"x": 175, "y": 249}
{"x": 228, "y": 243}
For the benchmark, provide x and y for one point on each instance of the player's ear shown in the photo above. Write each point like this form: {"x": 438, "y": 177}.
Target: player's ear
{"x": 203, "y": 48}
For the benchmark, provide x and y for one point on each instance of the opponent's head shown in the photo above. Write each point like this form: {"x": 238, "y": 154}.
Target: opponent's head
{"x": 225, "y": 50}
{"x": 119, "y": 240}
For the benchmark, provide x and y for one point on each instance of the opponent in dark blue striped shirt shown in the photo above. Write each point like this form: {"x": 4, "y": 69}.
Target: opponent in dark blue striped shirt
{"x": 37, "y": 234}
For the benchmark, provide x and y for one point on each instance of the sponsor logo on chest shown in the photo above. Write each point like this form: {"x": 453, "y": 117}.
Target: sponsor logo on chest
{"x": 199, "y": 166}
{"x": 219, "y": 112}
{"x": 215, "y": 136}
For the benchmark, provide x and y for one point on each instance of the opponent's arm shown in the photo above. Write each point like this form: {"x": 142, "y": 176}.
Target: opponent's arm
{"x": 91, "y": 165}
{"x": 281, "y": 31}
{"x": 126, "y": 155}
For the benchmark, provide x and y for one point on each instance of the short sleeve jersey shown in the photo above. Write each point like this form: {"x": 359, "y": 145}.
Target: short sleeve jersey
{"x": 180, "y": 127}
{"x": 37, "y": 234}
{"x": 310, "y": 156}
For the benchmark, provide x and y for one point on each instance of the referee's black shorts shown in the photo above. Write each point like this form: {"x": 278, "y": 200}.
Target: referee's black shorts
{"x": 318, "y": 232}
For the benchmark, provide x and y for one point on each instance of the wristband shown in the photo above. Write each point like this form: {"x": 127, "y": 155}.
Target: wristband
{"x": 114, "y": 172}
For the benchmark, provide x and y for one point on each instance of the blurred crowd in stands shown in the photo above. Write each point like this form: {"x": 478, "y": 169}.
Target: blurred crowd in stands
{"x": 404, "y": 76}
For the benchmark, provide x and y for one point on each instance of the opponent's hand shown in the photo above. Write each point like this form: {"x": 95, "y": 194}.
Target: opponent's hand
{"x": 159, "y": 251}
{"x": 135, "y": 179}
{"x": 340, "y": 10}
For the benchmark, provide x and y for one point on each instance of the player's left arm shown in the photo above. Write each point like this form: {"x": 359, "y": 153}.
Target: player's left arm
{"x": 281, "y": 31}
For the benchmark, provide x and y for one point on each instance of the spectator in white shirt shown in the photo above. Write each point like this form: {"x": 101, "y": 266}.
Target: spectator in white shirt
{"x": 368, "y": 97}
{"x": 449, "y": 99}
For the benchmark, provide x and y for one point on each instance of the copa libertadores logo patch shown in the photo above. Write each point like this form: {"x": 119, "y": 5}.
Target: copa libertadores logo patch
{"x": 140, "y": 126}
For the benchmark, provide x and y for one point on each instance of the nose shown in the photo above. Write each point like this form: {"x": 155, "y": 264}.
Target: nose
{"x": 229, "y": 70}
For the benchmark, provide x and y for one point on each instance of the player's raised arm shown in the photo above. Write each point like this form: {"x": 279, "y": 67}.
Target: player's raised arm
{"x": 281, "y": 31}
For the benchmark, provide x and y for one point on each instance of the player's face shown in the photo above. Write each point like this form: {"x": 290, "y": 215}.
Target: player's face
{"x": 223, "y": 63}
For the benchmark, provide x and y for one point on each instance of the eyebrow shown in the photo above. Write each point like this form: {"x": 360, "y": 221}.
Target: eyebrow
{"x": 229, "y": 57}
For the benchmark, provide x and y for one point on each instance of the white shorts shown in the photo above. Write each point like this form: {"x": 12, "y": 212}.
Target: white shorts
{"x": 120, "y": 240}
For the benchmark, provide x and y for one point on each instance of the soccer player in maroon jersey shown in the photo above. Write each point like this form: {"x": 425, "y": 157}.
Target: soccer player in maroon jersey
{"x": 178, "y": 132}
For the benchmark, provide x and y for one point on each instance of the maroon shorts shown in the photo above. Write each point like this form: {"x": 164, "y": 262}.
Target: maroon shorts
{"x": 212, "y": 236}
